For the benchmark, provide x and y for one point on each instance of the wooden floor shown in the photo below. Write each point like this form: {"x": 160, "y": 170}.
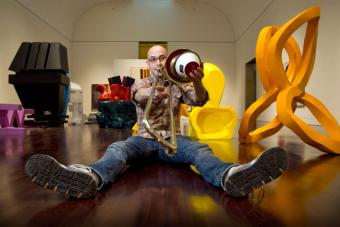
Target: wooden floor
{"x": 159, "y": 194}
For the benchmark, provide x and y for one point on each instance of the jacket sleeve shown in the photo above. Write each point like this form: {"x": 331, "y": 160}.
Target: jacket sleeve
{"x": 189, "y": 96}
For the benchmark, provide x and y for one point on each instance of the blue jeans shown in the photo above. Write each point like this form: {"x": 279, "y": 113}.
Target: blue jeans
{"x": 119, "y": 154}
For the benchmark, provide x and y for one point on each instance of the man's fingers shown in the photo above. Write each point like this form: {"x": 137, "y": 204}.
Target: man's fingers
{"x": 196, "y": 75}
{"x": 162, "y": 94}
{"x": 160, "y": 88}
{"x": 199, "y": 73}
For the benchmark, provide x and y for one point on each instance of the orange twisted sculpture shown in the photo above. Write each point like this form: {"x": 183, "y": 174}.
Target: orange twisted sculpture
{"x": 288, "y": 87}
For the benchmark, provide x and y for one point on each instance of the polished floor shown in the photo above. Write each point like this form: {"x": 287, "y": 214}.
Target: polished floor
{"x": 160, "y": 194}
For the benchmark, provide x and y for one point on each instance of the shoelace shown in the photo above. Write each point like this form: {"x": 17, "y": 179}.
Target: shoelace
{"x": 81, "y": 167}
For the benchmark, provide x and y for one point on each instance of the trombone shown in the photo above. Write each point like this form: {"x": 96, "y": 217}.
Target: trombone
{"x": 177, "y": 68}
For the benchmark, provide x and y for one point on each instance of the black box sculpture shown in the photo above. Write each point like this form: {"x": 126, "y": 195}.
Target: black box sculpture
{"x": 41, "y": 81}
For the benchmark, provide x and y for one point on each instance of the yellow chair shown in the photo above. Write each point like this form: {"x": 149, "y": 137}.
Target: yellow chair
{"x": 212, "y": 121}
{"x": 135, "y": 129}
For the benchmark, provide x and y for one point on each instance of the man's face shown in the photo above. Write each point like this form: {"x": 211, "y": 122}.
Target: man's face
{"x": 156, "y": 59}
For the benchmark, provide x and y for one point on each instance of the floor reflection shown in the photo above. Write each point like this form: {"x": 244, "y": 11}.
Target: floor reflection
{"x": 157, "y": 194}
{"x": 11, "y": 146}
{"x": 162, "y": 194}
{"x": 296, "y": 190}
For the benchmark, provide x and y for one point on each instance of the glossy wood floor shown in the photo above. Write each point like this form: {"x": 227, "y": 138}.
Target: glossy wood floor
{"x": 159, "y": 194}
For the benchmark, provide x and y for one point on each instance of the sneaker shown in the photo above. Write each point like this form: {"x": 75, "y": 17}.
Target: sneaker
{"x": 240, "y": 180}
{"x": 76, "y": 181}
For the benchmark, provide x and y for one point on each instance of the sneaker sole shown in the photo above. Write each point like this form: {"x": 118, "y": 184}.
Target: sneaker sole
{"x": 268, "y": 166}
{"x": 47, "y": 172}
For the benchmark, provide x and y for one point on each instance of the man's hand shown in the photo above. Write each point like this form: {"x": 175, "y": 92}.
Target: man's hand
{"x": 196, "y": 76}
{"x": 143, "y": 94}
{"x": 161, "y": 93}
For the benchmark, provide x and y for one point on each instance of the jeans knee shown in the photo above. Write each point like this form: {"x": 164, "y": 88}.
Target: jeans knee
{"x": 117, "y": 149}
{"x": 198, "y": 151}
{"x": 201, "y": 147}
{"x": 116, "y": 145}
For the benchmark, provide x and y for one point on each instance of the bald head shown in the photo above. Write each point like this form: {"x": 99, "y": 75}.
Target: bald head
{"x": 156, "y": 51}
{"x": 156, "y": 59}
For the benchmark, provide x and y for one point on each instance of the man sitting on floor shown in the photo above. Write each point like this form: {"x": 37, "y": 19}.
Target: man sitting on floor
{"x": 83, "y": 181}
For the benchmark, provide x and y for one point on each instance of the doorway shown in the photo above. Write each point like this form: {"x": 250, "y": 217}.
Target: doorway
{"x": 250, "y": 96}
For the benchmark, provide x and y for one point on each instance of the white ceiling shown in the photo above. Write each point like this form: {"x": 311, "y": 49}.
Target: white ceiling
{"x": 62, "y": 15}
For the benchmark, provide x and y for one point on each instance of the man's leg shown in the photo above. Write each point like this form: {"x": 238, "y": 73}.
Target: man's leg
{"x": 236, "y": 180}
{"x": 189, "y": 151}
{"x": 119, "y": 154}
{"x": 82, "y": 181}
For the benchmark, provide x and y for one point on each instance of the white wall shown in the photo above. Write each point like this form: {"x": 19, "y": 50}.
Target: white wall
{"x": 19, "y": 25}
{"x": 325, "y": 79}
{"x": 61, "y": 14}
{"x": 152, "y": 20}
{"x": 102, "y": 35}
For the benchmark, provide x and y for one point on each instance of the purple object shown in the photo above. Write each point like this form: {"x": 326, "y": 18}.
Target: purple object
{"x": 10, "y": 114}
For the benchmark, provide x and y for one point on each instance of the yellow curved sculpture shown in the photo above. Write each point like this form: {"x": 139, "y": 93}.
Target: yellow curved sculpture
{"x": 288, "y": 87}
{"x": 212, "y": 121}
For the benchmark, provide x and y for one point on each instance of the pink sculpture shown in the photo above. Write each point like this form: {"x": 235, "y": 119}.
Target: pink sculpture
{"x": 12, "y": 118}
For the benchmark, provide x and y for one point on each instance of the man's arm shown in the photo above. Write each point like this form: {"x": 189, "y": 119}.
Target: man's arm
{"x": 200, "y": 91}
{"x": 196, "y": 95}
{"x": 141, "y": 96}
